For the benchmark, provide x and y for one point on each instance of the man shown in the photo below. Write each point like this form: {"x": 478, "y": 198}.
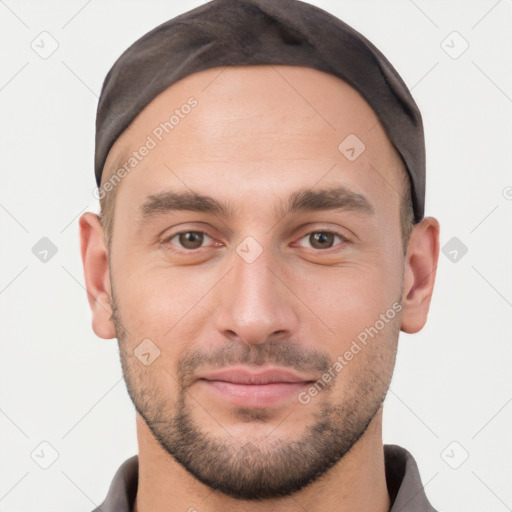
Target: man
{"x": 262, "y": 241}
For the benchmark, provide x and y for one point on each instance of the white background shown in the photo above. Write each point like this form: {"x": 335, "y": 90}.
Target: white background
{"x": 63, "y": 385}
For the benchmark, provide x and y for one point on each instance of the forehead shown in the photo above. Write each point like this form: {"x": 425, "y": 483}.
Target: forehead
{"x": 263, "y": 128}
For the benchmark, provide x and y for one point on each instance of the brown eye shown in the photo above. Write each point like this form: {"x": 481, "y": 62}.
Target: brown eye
{"x": 189, "y": 239}
{"x": 321, "y": 239}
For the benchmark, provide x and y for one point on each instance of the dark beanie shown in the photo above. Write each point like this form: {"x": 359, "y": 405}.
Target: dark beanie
{"x": 248, "y": 32}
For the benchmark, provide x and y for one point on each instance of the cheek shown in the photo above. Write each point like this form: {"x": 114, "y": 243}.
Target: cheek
{"x": 366, "y": 326}
{"x": 352, "y": 298}
{"x": 166, "y": 305}
{"x": 359, "y": 306}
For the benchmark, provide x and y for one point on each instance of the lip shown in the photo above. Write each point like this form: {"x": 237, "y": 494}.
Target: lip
{"x": 241, "y": 375}
{"x": 256, "y": 389}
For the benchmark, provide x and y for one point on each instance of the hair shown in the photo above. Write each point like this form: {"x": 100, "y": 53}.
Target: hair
{"x": 407, "y": 221}
{"x": 108, "y": 200}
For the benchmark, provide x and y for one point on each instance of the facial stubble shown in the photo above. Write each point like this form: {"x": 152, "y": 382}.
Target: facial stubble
{"x": 268, "y": 467}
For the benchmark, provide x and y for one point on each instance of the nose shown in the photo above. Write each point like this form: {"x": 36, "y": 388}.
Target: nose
{"x": 256, "y": 302}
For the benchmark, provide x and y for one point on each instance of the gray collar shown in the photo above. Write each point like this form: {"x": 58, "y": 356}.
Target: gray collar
{"x": 405, "y": 489}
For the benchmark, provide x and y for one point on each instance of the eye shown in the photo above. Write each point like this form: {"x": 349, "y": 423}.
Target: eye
{"x": 194, "y": 240}
{"x": 188, "y": 240}
{"x": 322, "y": 239}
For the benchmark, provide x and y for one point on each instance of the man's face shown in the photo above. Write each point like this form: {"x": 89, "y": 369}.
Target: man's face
{"x": 251, "y": 308}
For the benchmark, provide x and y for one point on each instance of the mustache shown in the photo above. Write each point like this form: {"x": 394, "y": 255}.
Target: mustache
{"x": 287, "y": 355}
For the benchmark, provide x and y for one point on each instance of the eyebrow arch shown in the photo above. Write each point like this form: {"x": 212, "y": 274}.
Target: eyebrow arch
{"x": 338, "y": 198}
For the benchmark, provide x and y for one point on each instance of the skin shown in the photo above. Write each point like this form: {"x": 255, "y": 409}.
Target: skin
{"x": 253, "y": 140}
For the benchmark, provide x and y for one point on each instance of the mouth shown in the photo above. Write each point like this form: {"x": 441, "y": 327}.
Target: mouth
{"x": 256, "y": 389}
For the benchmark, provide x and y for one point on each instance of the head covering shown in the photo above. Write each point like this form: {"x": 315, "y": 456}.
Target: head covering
{"x": 249, "y": 32}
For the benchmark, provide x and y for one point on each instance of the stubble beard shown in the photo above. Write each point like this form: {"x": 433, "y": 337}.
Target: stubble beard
{"x": 258, "y": 469}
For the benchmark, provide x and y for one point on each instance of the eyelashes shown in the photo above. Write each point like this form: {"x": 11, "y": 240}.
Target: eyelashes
{"x": 188, "y": 242}
{"x": 323, "y": 232}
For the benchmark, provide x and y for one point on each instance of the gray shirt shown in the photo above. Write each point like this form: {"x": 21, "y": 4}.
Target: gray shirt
{"x": 403, "y": 480}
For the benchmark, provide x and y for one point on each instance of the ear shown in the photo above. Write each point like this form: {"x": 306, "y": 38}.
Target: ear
{"x": 420, "y": 274}
{"x": 97, "y": 280}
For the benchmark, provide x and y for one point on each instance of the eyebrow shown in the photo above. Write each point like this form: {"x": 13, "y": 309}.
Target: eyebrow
{"x": 339, "y": 198}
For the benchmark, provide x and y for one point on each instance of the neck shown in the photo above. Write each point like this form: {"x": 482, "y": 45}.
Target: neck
{"x": 357, "y": 482}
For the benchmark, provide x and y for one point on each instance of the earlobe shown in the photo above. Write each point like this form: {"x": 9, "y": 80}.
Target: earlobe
{"x": 97, "y": 279}
{"x": 420, "y": 273}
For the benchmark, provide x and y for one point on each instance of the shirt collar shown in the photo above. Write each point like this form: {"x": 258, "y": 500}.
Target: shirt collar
{"x": 406, "y": 492}
{"x": 403, "y": 480}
